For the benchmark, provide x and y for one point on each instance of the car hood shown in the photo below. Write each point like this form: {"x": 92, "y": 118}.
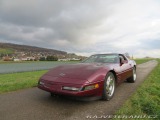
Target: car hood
{"x": 75, "y": 71}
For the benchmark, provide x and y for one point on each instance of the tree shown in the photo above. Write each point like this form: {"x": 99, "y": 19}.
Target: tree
{"x": 42, "y": 59}
{"x": 55, "y": 58}
{"x": 51, "y": 58}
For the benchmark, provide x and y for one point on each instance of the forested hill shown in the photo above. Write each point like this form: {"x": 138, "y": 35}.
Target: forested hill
{"x": 26, "y": 48}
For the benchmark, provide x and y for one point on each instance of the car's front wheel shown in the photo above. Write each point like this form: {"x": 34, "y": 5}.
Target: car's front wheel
{"x": 109, "y": 86}
{"x": 52, "y": 94}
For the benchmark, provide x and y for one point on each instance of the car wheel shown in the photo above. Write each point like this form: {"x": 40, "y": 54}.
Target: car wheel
{"x": 52, "y": 94}
{"x": 109, "y": 86}
{"x": 132, "y": 79}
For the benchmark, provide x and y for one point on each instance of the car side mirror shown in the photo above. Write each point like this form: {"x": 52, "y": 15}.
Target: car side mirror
{"x": 123, "y": 62}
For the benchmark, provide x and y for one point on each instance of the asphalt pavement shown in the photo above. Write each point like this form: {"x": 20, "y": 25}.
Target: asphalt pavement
{"x": 35, "y": 104}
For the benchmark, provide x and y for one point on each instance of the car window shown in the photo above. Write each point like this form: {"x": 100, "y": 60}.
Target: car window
{"x": 106, "y": 58}
{"x": 91, "y": 59}
{"x": 121, "y": 57}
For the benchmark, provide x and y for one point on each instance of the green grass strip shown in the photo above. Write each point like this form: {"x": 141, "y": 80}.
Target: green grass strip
{"x": 140, "y": 61}
{"x": 16, "y": 81}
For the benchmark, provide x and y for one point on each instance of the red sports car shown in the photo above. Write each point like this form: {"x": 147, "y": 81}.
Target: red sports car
{"x": 96, "y": 76}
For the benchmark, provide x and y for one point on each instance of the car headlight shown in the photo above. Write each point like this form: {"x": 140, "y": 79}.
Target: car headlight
{"x": 41, "y": 83}
{"x": 90, "y": 87}
{"x": 70, "y": 88}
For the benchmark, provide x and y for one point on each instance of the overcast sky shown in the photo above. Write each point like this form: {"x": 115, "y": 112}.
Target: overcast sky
{"x": 84, "y": 27}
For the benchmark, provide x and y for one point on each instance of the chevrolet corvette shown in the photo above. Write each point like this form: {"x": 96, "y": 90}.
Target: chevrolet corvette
{"x": 97, "y": 76}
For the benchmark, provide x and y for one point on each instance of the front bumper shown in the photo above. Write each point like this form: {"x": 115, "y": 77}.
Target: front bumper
{"x": 56, "y": 88}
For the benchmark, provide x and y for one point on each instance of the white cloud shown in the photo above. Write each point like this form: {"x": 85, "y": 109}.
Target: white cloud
{"x": 153, "y": 52}
{"x": 84, "y": 27}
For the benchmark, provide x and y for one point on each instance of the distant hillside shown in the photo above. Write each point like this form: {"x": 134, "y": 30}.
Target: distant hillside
{"x": 6, "y": 51}
{"x": 5, "y": 47}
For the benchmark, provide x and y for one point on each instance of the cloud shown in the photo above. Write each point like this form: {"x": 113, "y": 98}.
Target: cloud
{"x": 84, "y": 27}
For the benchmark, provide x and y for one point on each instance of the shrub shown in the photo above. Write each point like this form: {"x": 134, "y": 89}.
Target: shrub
{"x": 42, "y": 59}
{"x": 51, "y": 58}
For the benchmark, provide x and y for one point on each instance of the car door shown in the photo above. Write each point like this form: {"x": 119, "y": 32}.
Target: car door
{"x": 125, "y": 67}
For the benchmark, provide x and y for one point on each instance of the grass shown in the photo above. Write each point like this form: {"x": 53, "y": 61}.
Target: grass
{"x": 6, "y": 51}
{"x": 4, "y": 62}
{"x": 140, "y": 61}
{"x": 16, "y": 81}
{"x": 146, "y": 100}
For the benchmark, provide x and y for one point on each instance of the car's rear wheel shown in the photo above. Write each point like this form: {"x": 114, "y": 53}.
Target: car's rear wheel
{"x": 109, "y": 86}
{"x": 132, "y": 79}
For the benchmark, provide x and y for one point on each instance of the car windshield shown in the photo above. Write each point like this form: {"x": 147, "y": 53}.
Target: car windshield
{"x": 102, "y": 58}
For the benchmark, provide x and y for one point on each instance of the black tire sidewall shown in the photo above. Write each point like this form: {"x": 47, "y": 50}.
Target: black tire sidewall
{"x": 131, "y": 79}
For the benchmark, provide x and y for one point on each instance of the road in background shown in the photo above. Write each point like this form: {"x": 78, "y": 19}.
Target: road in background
{"x": 35, "y": 104}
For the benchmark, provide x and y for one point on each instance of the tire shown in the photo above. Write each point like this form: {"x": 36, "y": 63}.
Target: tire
{"x": 52, "y": 94}
{"x": 132, "y": 79}
{"x": 109, "y": 86}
